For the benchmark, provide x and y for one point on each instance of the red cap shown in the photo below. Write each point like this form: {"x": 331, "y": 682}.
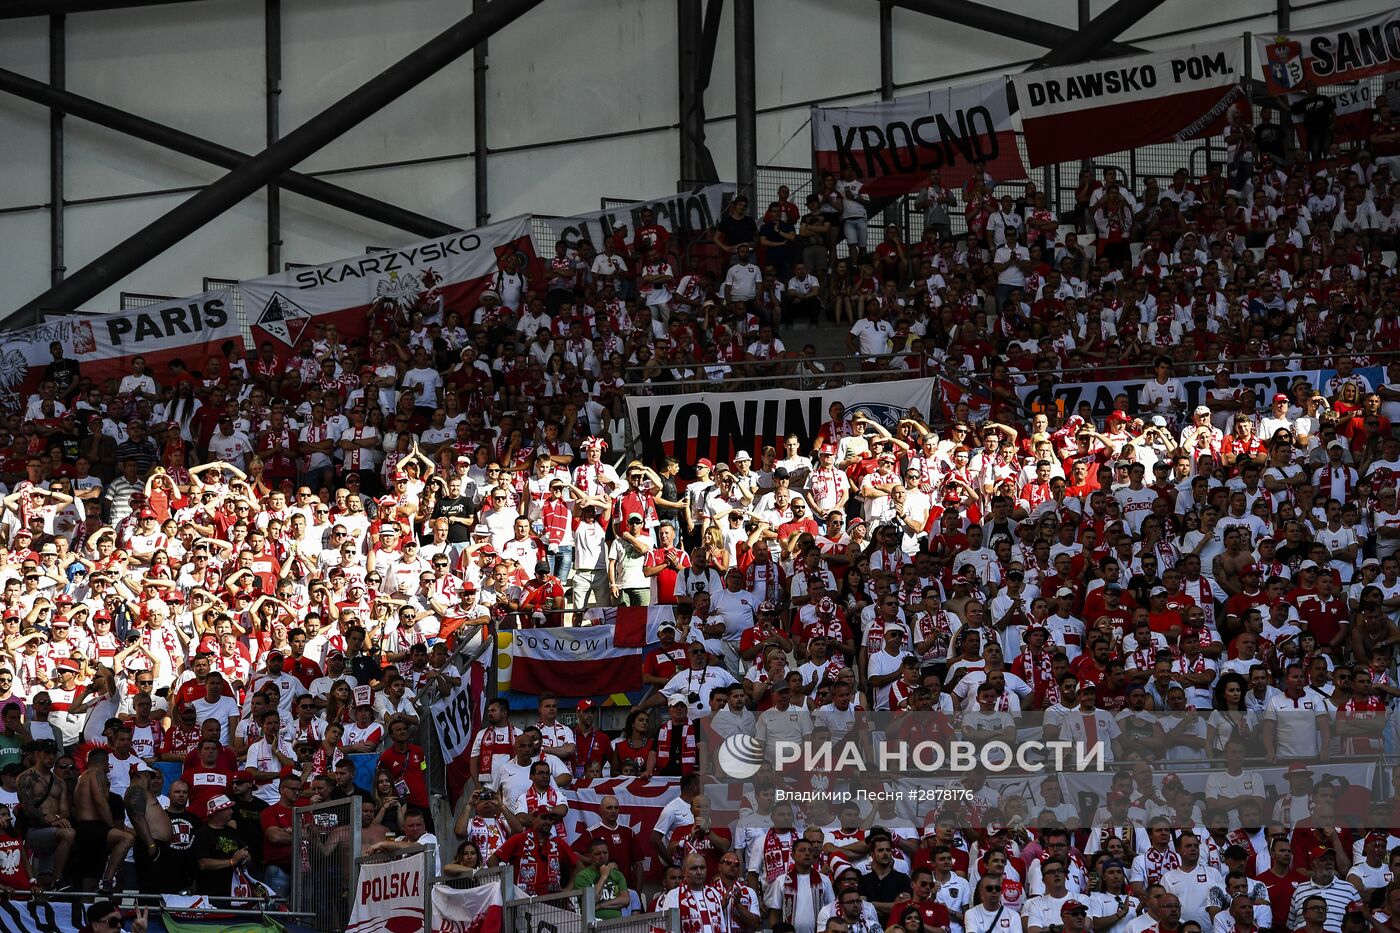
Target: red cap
{"x": 1317, "y": 852}
{"x": 1071, "y": 905}
{"x": 243, "y": 776}
{"x": 705, "y": 462}
{"x": 828, "y": 449}
{"x": 585, "y": 704}
{"x": 146, "y": 513}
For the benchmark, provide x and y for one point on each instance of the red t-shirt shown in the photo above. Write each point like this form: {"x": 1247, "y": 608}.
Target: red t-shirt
{"x": 205, "y": 784}
{"x": 280, "y": 816}
{"x": 411, "y": 767}
{"x": 623, "y": 847}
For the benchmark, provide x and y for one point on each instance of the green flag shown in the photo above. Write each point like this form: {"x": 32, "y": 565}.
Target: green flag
{"x": 229, "y": 925}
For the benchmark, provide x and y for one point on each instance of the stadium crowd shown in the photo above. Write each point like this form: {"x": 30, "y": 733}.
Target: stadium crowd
{"x": 249, "y": 568}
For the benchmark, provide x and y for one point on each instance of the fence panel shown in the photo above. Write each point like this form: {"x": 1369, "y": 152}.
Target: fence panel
{"x": 325, "y": 844}
{"x": 138, "y": 300}
{"x": 668, "y": 920}
{"x": 565, "y": 912}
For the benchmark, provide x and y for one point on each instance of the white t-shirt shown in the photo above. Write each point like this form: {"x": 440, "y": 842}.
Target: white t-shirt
{"x": 221, "y": 710}
{"x": 875, "y": 337}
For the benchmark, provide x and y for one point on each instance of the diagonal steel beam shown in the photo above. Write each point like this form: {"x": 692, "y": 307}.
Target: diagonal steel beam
{"x": 14, "y": 9}
{"x": 370, "y": 97}
{"x": 187, "y": 144}
{"x": 1009, "y": 25}
{"x": 1096, "y": 39}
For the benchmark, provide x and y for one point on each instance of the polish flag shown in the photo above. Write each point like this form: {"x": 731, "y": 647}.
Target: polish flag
{"x": 467, "y": 910}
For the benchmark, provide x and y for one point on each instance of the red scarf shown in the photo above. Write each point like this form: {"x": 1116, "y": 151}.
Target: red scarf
{"x": 777, "y": 853}
{"x": 532, "y": 861}
{"x": 701, "y": 911}
{"x": 689, "y": 754}
{"x": 790, "y": 880}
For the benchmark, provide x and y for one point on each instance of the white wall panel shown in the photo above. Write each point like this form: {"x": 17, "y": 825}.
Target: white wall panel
{"x": 583, "y": 67}
{"x": 236, "y": 240}
{"x": 24, "y": 127}
{"x": 569, "y": 180}
{"x": 26, "y": 262}
{"x": 315, "y": 233}
{"x": 331, "y": 47}
{"x": 195, "y": 66}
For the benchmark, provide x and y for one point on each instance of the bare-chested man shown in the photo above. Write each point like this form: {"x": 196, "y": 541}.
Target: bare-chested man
{"x": 43, "y": 798}
{"x": 152, "y": 825}
{"x": 1230, "y": 562}
{"x": 96, "y": 827}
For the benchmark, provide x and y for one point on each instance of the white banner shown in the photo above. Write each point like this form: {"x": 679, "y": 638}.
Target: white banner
{"x": 30, "y": 916}
{"x": 191, "y": 329}
{"x": 1331, "y": 54}
{"x": 467, "y": 910}
{"x": 716, "y": 425}
{"x": 1092, "y": 108}
{"x": 893, "y": 145}
{"x": 452, "y": 271}
{"x": 691, "y": 212}
{"x": 390, "y": 896}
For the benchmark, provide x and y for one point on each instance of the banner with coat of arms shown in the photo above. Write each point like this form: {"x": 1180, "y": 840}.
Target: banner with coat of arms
{"x": 1333, "y": 54}
{"x": 446, "y": 274}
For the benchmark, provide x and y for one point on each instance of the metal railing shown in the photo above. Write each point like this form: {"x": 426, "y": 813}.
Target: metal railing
{"x": 669, "y": 920}
{"x": 325, "y": 853}
{"x": 569, "y": 911}
{"x": 504, "y": 874}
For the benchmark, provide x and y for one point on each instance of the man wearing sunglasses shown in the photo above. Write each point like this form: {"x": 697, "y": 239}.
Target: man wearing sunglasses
{"x": 103, "y": 917}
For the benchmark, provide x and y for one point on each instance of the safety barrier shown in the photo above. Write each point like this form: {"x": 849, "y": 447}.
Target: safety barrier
{"x": 325, "y": 856}
{"x": 669, "y": 920}
{"x": 566, "y": 912}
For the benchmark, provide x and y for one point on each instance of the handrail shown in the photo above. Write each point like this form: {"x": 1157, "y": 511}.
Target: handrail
{"x": 1212, "y": 365}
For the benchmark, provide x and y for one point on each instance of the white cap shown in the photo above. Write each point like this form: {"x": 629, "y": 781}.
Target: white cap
{"x": 742, "y": 455}
{"x": 1159, "y": 421}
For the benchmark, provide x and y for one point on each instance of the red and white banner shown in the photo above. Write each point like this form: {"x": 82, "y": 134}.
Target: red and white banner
{"x": 189, "y": 329}
{"x": 458, "y": 717}
{"x": 389, "y": 896}
{"x": 1332, "y": 54}
{"x": 450, "y": 272}
{"x": 467, "y": 910}
{"x": 1093, "y": 108}
{"x": 575, "y": 662}
{"x": 640, "y": 802}
{"x": 893, "y": 145}
{"x": 1351, "y": 121}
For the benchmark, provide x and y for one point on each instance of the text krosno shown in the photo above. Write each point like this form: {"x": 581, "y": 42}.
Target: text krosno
{"x": 934, "y": 757}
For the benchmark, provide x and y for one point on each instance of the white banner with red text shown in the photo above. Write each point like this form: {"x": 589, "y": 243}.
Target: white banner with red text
{"x": 893, "y": 145}
{"x": 450, "y": 272}
{"x": 717, "y": 425}
{"x": 457, "y": 717}
{"x": 189, "y": 329}
{"x": 467, "y": 910}
{"x": 689, "y": 213}
{"x": 1331, "y": 54}
{"x": 389, "y": 897}
{"x": 1092, "y": 108}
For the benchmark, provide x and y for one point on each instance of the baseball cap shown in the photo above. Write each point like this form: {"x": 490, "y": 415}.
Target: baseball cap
{"x": 1064, "y": 591}
{"x": 1158, "y": 591}
{"x": 1087, "y": 685}
{"x": 676, "y": 699}
{"x": 1280, "y": 397}
{"x": 1317, "y": 852}
{"x": 705, "y": 463}
{"x": 216, "y": 803}
{"x": 827, "y": 449}
{"x": 1070, "y": 906}
{"x": 585, "y": 704}
{"x": 1202, "y": 410}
